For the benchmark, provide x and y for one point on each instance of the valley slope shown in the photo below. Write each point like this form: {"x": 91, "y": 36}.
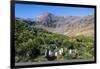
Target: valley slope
{"x": 67, "y": 25}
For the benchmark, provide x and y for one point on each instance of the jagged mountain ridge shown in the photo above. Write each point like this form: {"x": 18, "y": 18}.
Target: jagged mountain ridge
{"x": 67, "y": 25}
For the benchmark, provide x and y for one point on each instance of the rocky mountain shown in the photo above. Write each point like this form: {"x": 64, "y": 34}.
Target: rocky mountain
{"x": 67, "y": 25}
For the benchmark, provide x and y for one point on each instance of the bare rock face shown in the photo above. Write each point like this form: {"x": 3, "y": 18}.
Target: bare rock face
{"x": 46, "y": 20}
{"x": 67, "y": 25}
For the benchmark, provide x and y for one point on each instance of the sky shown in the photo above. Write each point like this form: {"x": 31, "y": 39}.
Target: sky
{"x": 32, "y": 10}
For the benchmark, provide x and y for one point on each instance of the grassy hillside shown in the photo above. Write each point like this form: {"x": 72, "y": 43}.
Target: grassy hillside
{"x": 31, "y": 43}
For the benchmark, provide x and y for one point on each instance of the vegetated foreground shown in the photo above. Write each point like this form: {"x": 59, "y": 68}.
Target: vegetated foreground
{"x": 37, "y": 45}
